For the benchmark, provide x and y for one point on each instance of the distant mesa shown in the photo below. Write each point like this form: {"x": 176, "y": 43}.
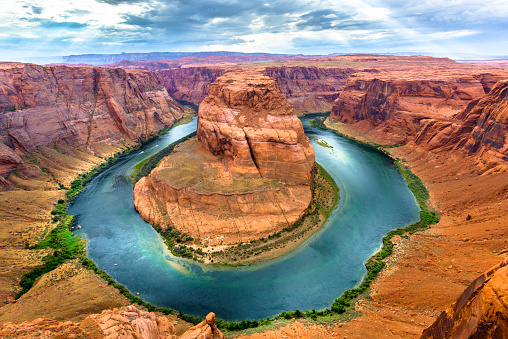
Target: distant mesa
{"x": 247, "y": 175}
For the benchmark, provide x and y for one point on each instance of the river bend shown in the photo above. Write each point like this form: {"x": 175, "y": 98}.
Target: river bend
{"x": 374, "y": 199}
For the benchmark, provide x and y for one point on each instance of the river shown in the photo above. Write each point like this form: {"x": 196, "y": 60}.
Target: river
{"x": 374, "y": 199}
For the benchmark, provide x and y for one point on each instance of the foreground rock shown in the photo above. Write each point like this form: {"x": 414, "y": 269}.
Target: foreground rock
{"x": 247, "y": 176}
{"x": 480, "y": 311}
{"x": 204, "y": 330}
{"x": 128, "y": 323}
{"x": 78, "y": 106}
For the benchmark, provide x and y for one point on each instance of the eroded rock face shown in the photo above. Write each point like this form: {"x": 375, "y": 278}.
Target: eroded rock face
{"x": 80, "y": 106}
{"x": 247, "y": 119}
{"x": 248, "y": 174}
{"x": 480, "y": 312}
{"x": 396, "y": 106}
{"x": 190, "y": 83}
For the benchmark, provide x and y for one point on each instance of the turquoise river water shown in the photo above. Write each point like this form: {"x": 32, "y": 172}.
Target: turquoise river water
{"x": 374, "y": 199}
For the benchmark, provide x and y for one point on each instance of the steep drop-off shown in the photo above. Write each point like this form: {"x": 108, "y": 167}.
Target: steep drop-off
{"x": 480, "y": 128}
{"x": 78, "y": 106}
{"x": 247, "y": 176}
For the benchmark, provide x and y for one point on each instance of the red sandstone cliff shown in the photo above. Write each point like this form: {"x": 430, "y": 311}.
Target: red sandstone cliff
{"x": 249, "y": 175}
{"x": 79, "y": 106}
{"x": 246, "y": 118}
{"x": 190, "y": 83}
{"x": 393, "y": 107}
{"x": 480, "y": 128}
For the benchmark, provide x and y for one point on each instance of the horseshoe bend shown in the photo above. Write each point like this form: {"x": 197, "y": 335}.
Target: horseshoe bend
{"x": 247, "y": 175}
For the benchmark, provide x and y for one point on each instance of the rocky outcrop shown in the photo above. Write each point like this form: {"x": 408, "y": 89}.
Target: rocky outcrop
{"x": 79, "y": 106}
{"x": 204, "y": 330}
{"x": 125, "y": 324}
{"x": 247, "y": 176}
{"x": 396, "y": 105}
{"x": 479, "y": 312}
{"x": 392, "y": 107}
{"x": 488, "y": 137}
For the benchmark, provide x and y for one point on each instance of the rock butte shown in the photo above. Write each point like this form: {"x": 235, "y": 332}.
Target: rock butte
{"x": 249, "y": 174}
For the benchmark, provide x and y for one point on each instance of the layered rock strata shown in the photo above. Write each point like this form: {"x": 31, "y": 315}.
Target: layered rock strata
{"x": 249, "y": 174}
{"x": 78, "y": 106}
{"x": 394, "y": 106}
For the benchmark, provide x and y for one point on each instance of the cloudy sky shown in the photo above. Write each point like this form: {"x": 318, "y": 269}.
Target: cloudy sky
{"x": 62, "y": 27}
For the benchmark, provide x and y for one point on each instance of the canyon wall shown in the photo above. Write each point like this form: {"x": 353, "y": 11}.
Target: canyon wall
{"x": 309, "y": 89}
{"x": 394, "y": 106}
{"x": 78, "y": 106}
{"x": 249, "y": 174}
{"x": 480, "y": 128}
{"x": 190, "y": 83}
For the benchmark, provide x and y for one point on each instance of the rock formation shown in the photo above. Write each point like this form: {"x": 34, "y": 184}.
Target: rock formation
{"x": 125, "y": 324}
{"x": 479, "y": 312}
{"x": 247, "y": 176}
{"x": 78, "y": 106}
{"x": 246, "y": 119}
{"x": 396, "y": 105}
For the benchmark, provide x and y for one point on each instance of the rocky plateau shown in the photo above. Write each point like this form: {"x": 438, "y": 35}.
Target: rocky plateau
{"x": 248, "y": 175}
